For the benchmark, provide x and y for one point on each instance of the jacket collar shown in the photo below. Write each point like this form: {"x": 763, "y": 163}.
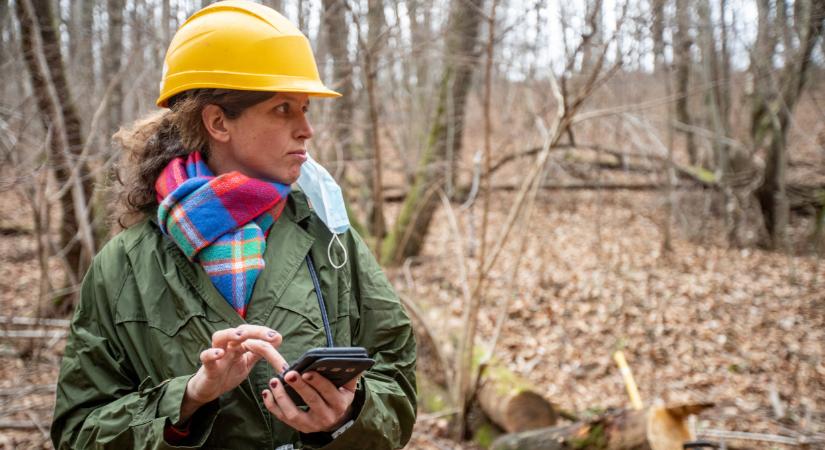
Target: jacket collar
{"x": 297, "y": 207}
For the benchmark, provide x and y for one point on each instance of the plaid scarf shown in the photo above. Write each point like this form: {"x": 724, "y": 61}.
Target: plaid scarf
{"x": 220, "y": 222}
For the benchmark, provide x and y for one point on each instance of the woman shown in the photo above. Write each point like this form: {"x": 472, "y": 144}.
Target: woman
{"x": 225, "y": 274}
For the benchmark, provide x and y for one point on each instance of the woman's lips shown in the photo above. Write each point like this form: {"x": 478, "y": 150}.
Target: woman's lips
{"x": 299, "y": 154}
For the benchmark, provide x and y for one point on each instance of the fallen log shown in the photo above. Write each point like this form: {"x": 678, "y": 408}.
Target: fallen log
{"x": 7, "y": 320}
{"x": 513, "y": 403}
{"x": 22, "y": 424}
{"x": 655, "y": 428}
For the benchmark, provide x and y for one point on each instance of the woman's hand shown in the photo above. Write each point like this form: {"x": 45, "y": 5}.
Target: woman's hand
{"x": 227, "y": 363}
{"x": 329, "y": 407}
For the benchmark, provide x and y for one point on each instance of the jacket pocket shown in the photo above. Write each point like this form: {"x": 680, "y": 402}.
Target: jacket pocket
{"x": 163, "y": 331}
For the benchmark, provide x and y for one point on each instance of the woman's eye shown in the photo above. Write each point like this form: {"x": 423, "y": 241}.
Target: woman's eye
{"x": 283, "y": 108}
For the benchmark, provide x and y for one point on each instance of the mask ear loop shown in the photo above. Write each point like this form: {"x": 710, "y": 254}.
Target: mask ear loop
{"x": 329, "y": 251}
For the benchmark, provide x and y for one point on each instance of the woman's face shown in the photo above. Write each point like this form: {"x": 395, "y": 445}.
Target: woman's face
{"x": 268, "y": 140}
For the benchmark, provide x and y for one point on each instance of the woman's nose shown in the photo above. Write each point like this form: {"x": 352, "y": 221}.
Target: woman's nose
{"x": 303, "y": 130}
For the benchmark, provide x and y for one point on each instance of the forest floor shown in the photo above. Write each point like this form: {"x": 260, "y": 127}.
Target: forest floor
{"x": 741, "y": 327}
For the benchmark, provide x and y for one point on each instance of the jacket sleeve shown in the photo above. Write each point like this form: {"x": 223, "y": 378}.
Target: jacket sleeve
{"x": 100, "y": 401}
{"x": 388, "y": 392}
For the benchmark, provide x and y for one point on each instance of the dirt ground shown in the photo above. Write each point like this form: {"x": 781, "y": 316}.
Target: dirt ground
{"x": 741, "y": 327}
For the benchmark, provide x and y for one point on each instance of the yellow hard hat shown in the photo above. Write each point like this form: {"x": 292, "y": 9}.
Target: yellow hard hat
{"x": 237, "y": 44}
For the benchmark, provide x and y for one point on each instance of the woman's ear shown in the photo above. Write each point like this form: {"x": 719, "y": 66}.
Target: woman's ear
{"x": 214, "y": 120}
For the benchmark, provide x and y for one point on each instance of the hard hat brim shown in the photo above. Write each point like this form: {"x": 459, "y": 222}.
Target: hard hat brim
{"x": 185, "y": 81}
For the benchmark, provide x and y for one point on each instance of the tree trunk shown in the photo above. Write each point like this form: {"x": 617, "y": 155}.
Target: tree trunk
{"x": 372, "y": 58}
{"x": 303, "y": 16}
{"x": 81, "y": 31}
{"x": 319, "y": 41}
{"x": 715, "y": 70}
{"x": 277, "y": 5}
{"x": 165, "y": 24}
{"x": 112, "y": 63}
{"x": 774, "y": 105}
{"x": 78, "y": 217}
{"x": 418, "y": 82}
{"x": 656, "y": 428}
{"x": 343, "y": 109}
{"x": 592, "y": 47}
{"x": 658, "y": 10}
{"x": 134, "y": 101}
{"x": 407, "y": 236}
{"x": 59, "y": 117}
{"x": 4, "y": 12}
{"x": 724, "y": 91}
{"x": 376, "y": 34}
{"x": 682, "y": 61}
{"x": 513, "y": 403}
{"x": 782, "y": 25}
{"x": 419, "y": 32}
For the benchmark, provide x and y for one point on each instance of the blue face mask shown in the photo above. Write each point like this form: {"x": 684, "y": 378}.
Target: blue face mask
{"x": 326, "y": 199}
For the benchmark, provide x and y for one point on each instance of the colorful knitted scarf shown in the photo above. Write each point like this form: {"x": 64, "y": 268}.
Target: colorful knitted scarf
{"x": 220, "y": 222}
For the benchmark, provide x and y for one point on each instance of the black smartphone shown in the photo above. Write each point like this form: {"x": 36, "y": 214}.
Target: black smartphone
{"x": 337, "y": 364}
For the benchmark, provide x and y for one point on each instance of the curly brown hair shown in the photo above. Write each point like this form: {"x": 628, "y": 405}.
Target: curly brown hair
{"x": 152, "y": 142}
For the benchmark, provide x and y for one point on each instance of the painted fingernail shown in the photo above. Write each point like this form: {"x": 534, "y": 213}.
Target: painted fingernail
{"x": 291, "y": 377}
{"x": 285, "y": 367}
{"x": 273, "y": 384}
{"x": 265, "y": 393}
{"x": 271, "y": 334}
{"x": 217, "y": 353}
{"x": 309, "y": 376}
{"x": 239, "y": 333}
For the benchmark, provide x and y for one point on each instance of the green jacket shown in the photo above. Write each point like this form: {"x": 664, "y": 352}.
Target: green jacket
{"x": 146, "y": 313}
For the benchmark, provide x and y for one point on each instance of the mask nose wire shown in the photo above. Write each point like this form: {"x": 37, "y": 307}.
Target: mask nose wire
{"x": 335, "y": 238}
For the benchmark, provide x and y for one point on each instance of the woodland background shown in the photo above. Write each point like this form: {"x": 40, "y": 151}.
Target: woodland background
{"x": 546, "y": 182}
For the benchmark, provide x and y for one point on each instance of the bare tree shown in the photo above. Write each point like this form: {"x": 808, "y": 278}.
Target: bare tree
{"x": 595, "y": 34}
{"x": 717, "y": 100}
{"x": 417, "y": 73}
{"x": 372, "y": 54}
{"x": 41, "y": 51}
{"x": 304, "y": 9}
{"x": 112, "y": 63}
{"x": 464, "y": 362}
{"x": 137, "y": 41}
{"x": 407, "y": 236}
{"x": 420, "y": 15}
{"x": 277, "y": 5}
{"x": 165, "y": 23}
{"x": 682, "y": 61}
{"x": 715, "y": 75}
{"x": 4, "y": 12}
{"x": 658, "y": 30}
{"x": 775, "y": 94}
{"x": 81, "y": 48}
{"x": 336, "y": 34}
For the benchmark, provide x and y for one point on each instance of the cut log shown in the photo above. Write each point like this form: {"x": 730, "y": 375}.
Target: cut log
{"x": 656, "y": 428}
{"x": 512, "y": 403}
